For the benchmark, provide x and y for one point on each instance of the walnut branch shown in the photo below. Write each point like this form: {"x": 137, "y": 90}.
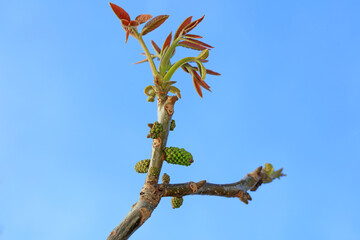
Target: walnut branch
{"x": 150, "y": 194}
{"x": 238, "y": 189}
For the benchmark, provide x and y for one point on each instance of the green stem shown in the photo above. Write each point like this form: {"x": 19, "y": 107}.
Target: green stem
{"x": 147, "y": 53}
{"x": 166, "y": 58}
{"x": 178, "y": 64}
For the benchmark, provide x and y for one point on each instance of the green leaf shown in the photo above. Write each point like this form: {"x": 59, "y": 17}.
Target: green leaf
{"x": 150, "y": 99}
{"x": 269, "y": 169}
{"x": 202, "y": 69}
{"x": 168, "y": 83}
{"x": 175, "y": 90}
{"x": 277, "y": 174}
{"x": 204, "y": 54}
{"x": 184, "y": 68}
{"x": 149, "y": 90}
{"x": 271, "y": 174}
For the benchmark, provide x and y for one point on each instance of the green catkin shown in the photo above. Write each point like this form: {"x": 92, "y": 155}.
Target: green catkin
{"x": 176, "y": 202}
{"x": 155, "y": 130}
{"x": 142, "y": 166}
{"x": 178, "y": 156}
{"x": 165, "y": 178}
{"x": 172, "y": 125}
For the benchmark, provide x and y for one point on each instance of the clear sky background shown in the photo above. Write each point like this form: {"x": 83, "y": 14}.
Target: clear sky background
{"x": 73, "y": 119}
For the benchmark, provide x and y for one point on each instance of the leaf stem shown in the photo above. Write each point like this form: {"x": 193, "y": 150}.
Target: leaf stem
{"x": 178, "y": 64}
{"x": 166, "y": 58}
{"x": 147, "y": 53}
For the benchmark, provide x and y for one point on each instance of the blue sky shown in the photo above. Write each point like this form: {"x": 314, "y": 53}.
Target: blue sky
{"x": 73, "y": 119}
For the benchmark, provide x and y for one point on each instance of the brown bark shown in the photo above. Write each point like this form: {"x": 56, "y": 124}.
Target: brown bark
{"x": 238, "y": 189}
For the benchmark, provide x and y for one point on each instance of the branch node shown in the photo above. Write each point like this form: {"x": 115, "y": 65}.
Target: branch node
{"x": 201, "y": 183}
{"x": 193, "y": 187}
{"x": 157, "y": 142}
{"x": 169, "y": 107}
{"x": 243, "y": 196}
{"x": 239, "y": 194}
{"x": 256, "y": 175}
{"x": 161, "y": 187}
{"x": 257, "y": 185}
{"x": 172, "y": 99}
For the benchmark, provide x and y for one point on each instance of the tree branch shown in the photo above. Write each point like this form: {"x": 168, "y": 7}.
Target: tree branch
{"x": 238, "y": 189}
{"x": 150, "y": 194}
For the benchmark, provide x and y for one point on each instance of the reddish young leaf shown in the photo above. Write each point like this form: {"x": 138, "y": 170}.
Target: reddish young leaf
{"x": 208, "y": 71}
{"x": 127, "y": 36}
{"x": 125, "y": 22}
{"x": 197, "y": 86}
{"x": 192, "y": 36}
{"x": 167, "y": 42}
{"x": 201, "y": 82}
{"x": 191, "y": 45}
{"x": 200, "y": 43}
{"x": 142, "y": 61}
{"x": 134, "y": 23}
{"x": 143, "y": 18}
{"x": 192, "y": 25}
{"x": 182, "y": 26}
{"x": 120, "y": 13}
{"x": 153, "y": 24}
{"x": 156, "y": 47}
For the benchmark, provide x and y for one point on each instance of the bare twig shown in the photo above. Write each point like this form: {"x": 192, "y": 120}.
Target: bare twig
{"x": 238, "y": 189}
